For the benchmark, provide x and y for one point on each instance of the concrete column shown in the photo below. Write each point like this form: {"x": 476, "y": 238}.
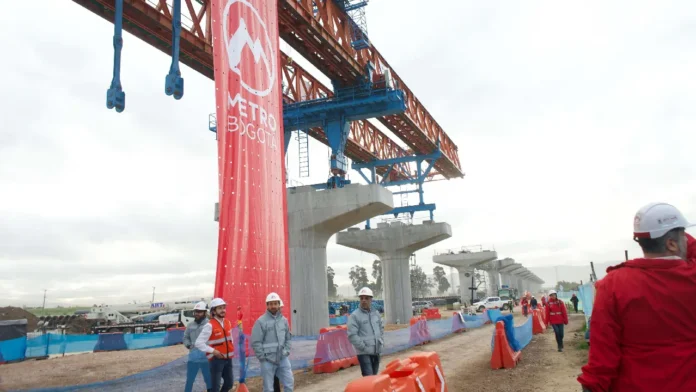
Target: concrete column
{"x": 313, "y": 217}
{"x": 465, "y": 262}
{"x": 493, "y": 282}
{"x": 393, "y": 244}
{"x": 465, "y": 283}
{"x": 504, "y": 279}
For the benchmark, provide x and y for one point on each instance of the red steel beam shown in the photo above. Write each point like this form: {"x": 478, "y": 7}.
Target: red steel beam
{"x": 150, "y": 20}
{"x": 320, "y": 31}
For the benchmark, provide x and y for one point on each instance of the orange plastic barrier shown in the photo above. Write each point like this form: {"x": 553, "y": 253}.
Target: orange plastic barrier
{"x": 432, "y": 314}
{"x": 419, "y": 373}
{"x": 503, "y": 357}
{"x": 538, "y": 324}
{"x": 334, "y": 351}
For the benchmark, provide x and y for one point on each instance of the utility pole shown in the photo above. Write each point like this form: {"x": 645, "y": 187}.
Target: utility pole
{"x": 153, "y": 294}
{"x": 43, "y": 307}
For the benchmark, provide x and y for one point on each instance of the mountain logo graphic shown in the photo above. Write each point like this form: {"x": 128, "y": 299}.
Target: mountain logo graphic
{"x": 256, "y": 80}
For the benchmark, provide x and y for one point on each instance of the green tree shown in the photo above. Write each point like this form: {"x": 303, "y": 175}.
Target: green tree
{"x": 420, "y": 284}
{"x": 567, "y": 286}
{"x": 358, "y": 278}
{"x": 440, "y": 278}
{"x": 333, "y": 287}
{"x": 376, "y": 286}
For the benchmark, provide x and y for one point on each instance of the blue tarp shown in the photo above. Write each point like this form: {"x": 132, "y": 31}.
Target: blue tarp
{"x": 586, "y": 295}
{"x": 494, "y": 315}
{"x": 338, "y": 320}
{"x": 13, "y": 349}
{"x": 54, "y": 344}
{"x": 518, "y": 337}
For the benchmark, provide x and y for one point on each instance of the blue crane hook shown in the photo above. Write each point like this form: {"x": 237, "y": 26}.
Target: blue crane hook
{"x": 174, "y": 83}
{"x": 115, "y": 97}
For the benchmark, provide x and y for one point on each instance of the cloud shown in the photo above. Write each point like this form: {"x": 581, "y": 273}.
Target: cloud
{"x": 568, "y": 118}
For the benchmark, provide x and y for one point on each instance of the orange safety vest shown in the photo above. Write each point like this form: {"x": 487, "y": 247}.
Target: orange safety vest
{"x": 221, "y": 339}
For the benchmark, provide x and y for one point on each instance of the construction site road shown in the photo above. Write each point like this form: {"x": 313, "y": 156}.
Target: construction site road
{"x": 466, "y": 361}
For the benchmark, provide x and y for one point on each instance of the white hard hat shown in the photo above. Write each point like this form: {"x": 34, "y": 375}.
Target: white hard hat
{"x": 656, "y": 219}
{"x": 200, "y": 306}
{"x": 552, "y": 292}
{"x": 281, "y": 303}
{"x": 272, "y": 297}
{"x": 365, "y": 291}
{"x": 217, "y": 302}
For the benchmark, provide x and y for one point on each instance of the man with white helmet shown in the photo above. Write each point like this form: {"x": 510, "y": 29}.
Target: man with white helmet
{"x": 643, "y": 337}
{"x": 196, "y": 358}
{"x": 270, "y": 340}
{"x": 216, "y": 342}
{"x": 365, "y": 332}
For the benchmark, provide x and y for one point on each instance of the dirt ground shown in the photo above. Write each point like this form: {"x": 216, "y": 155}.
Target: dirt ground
{"x": 541, "y": 369}
{"x": 465, "y": 359}
{"x": 84, "y": 368}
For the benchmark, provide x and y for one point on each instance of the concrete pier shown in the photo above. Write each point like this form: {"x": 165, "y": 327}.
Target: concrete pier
{"x": 465, "y": 261}
{"x": 393, "y": 244}
{"x": 313, "y": 217}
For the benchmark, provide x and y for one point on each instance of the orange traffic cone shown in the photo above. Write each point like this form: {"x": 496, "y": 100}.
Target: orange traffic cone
{"x": 242, "y": 388}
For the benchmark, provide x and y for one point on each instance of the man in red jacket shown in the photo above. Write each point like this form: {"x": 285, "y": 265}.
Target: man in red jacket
{"x": 643, "y": 336}
{"x": 557, "y": 315}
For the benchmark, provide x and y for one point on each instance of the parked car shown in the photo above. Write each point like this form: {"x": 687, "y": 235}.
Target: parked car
{"x": 492, "y": 303}
{"x": 418, "y": 306}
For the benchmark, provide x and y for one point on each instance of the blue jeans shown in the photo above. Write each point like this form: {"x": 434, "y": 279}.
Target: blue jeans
{"x": 369, "y": 364}
{"x": 283, "y": 371}
{"x": 192, "y": 368}
{"x": 558, "y": 330}
{"x": 221, "y": 368}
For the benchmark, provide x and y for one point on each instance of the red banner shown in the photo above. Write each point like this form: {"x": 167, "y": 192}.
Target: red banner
{"x": 252, "y": 247}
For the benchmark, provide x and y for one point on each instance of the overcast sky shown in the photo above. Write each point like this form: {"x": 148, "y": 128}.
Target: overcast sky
{"x": 568, "y": 118}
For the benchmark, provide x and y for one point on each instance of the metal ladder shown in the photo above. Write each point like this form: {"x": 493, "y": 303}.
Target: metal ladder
{"x": 303, "y": 149}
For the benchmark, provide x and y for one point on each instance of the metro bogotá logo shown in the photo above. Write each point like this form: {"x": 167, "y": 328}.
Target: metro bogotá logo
{"x": 249, "y": 47}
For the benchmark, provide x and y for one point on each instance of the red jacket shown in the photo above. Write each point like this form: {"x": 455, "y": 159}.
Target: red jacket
{"x": 643, "y": 334}
{"x": 690, "y": 248}
{"x": 556, "y": 312}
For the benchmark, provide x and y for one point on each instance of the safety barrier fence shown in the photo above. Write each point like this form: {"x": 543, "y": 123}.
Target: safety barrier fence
{"x": 509, "y": 340}
{"x": 418, "y": 372}
{"x": 329, "y": 349}
{"x": 353, "y": 305}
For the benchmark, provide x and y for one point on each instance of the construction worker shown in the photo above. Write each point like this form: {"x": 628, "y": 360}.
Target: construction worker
{"x": 196, "y": 358}
{"x": 216, "y": 341}
{"x": 276, "y": 380}
{"x": 574, "y": 300}
{"x": 270, "y": 339}
{"x": 557, "y": 315}
{"x": 524, "y": 303}
{"x": 365, "y": 332}
{"x": 643, "y": 337}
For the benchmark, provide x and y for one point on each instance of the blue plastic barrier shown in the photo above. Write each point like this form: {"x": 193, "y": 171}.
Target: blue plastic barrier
{"x": 111, "y": 342}
{"x": 338, "y": 320}
{"x": 518, "y": 337}
{"x": 13, "y": 349}
{"x": 494, "y": 315}
{"x": 173, "y": 336}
